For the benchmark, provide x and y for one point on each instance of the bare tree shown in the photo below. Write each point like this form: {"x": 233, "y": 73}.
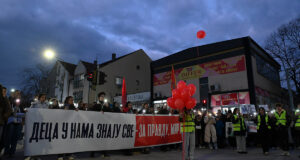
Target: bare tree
{"x": 35, "y": 80}
{"x": 284, "y": 46}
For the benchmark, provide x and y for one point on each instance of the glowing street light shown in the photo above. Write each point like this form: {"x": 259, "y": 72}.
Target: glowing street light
{"x": 12, "y": 90}
{"x": 49, "y": 54}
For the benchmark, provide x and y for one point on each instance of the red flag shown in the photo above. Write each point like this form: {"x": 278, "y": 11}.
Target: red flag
{"x": 124, "y": 96}
{"x": 173, "y": 79}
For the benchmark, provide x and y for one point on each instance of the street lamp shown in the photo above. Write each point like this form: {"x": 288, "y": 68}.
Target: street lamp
{"x": 49, "y": 54}
{"x": 12, "y": 90}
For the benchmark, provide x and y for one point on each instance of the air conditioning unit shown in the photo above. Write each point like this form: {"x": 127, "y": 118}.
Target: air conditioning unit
{"x": 215, "y": 88}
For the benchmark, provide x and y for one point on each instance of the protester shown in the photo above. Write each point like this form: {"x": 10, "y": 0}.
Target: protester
{"x": 128, "y": 108}
{"x": 282, "y": 123}
{"x": 263, "y": 130}
{"x": 53, "y": 104}
{"x": 5, "y": 112}
{"x": 101, "y": 106}
{"x": 41, "y": 103}
{"x": 116, "y": 108}
{"x": 239, "y": 129}
{"x": 68, "y": 105}
{"x": 14, "y": 129}
{"x": 164, "y": 110}
{"x": 199, "y": 133}
{"x": 220, "y": 129}
{"x": 187, "y": 119}
{"x": 210, "y": 131}
{"x": 297, "y": 126}
{"x": 145, "y": 109}
{"x": 81, "y": 105}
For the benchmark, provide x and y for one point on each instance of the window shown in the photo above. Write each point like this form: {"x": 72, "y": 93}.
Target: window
{"x": 138, "y": 67}
{"x": 78, "y": 96}
{"x": 267, "y": 70}
{"x": 78, "y": 81}
{"x": 137, "y": 82}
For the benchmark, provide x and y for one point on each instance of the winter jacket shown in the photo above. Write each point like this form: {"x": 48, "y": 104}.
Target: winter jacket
{"x": 38, "y": 104}
{"x": 5, "y": 110}
{"x": 220, "y": 128}
{"x": 210, "y": 130}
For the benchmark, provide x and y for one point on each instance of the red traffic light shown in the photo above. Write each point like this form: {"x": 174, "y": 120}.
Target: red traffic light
{"x": 204, "y": 101}
{"x": 90, "y": 75}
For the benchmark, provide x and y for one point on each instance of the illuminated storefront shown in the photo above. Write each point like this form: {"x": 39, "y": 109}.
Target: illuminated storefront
{"x": 225, "y": 74}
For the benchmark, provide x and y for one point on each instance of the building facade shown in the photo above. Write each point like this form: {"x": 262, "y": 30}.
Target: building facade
{"x": 227, "y": 73}
{"x": 59, "y": 79}
{"x": 82, "y": 88}
{"x": 135, "y": 68}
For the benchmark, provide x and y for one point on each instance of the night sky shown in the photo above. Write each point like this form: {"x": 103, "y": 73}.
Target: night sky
{"x": 86, "y": 29}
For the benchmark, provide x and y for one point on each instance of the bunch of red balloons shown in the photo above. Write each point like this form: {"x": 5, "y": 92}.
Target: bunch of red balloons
{"x": 182, "y": 96}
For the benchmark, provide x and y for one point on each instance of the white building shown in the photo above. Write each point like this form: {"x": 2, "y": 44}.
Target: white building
{"x": 60, "y": 79}
{"x": 81, "y": 87}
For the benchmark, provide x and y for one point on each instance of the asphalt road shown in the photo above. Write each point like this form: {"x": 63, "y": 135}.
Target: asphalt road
{"x": 200, "y": 154}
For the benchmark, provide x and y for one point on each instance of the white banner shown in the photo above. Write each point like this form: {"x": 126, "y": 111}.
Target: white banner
{"x": 66, "y": 131}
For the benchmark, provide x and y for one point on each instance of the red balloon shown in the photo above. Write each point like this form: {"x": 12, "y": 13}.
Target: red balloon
{"x": 179, "y": 104}
{"x": 185, "y": 94}
{"x": 201, "y": 34}
{"x": 191, "y": 103}
{"x": 176, "y": 93}
{"x": 192, "y": 89}
{"x": 181, "y": 85}
{"x": 170, "y": 102}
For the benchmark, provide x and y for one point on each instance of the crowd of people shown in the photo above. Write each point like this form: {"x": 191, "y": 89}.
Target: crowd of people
{"x": 203, "y": 129}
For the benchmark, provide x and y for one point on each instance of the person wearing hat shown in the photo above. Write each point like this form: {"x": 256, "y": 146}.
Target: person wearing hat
{"x": 263, "y": 129}
{"x": 281, "y": 125}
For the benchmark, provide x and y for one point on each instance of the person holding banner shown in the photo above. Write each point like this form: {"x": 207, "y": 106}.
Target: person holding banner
{"x": 282, "y": 123}
{"x": 68, "y": 105}
{"x": 41, "y": 103}
{"x": 263, "y": 129}
{"x": 101, "y": 106}
{"x": 187, "y": 119}
{"x": 239, "y": 130}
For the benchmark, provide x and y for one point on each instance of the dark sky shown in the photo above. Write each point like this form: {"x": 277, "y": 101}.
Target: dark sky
{"x": 84, "y": 29}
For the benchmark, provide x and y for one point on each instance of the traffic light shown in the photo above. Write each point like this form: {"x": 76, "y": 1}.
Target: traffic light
{"x": 89, "y": 76}
{"x": 102, "y": 76}
{"x": 204, "y": 102}
{"x": 94, "y": 80}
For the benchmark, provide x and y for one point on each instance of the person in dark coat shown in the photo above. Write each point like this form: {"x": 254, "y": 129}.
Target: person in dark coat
{"x": 116, "y": 108}
{"x": 145, "y": 109}
{"x": 263, "y": 129}
{"x": 101, "y": 106}
{"x": 5, "y": 112}
{"x": 53, "y": 104}
{"x": 200, "y": 128}
{"x": 220, "y": 129}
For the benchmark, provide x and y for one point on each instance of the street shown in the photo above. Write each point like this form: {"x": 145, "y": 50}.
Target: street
{"x": 254, "y": 153}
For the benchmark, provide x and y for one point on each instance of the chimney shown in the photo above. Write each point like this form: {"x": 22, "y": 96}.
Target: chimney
{"x": 113, "y": 56}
